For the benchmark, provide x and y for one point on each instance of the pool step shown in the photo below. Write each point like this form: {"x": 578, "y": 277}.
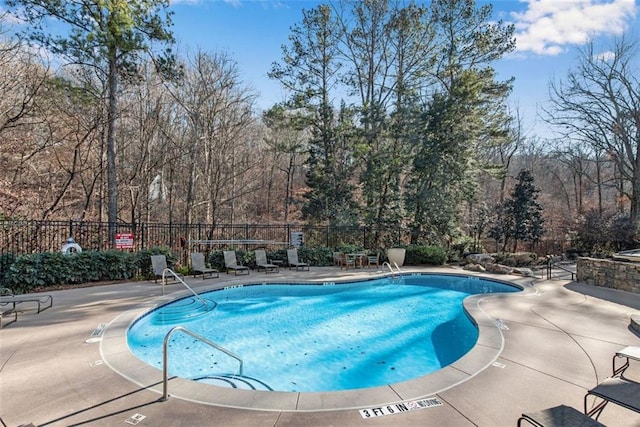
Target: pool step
{"x": 188, "y": 309}
{"x": 234, "y": 381}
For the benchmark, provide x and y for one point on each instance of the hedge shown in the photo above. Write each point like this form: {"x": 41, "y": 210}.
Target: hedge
{"x": 28, "y": 273}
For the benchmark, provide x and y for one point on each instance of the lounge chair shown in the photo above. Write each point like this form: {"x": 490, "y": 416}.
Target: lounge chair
{"x": 630, "y": 352}
{"x": 618, "y": 390}
{"x": 159, "y": 265}
{"x": 558, "y": 416}
{"x": 8, "y": 297}
{"x": 198, "y": 266}
{"x": 7, "y": 312}
{"x": 292, "y": 256}
{"x": 261, "y": 262}
{"x": 231, "y": 264}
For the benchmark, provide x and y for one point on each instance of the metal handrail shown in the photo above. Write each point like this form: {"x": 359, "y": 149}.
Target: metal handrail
{"x": 165, "y": 356}
{"x": 179, "y": 279}
{"x": 391, "y": 268}
{"x": 551, "y": 263}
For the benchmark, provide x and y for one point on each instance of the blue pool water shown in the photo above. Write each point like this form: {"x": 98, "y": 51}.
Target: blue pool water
{"x": 294, "y": 337}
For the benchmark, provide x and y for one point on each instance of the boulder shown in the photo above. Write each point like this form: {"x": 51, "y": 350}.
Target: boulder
{"x": 474, "y": 267}
{"x": 526, "y": 272}
{"x": 480, "y": 259}
{"x": 498, "y": 269}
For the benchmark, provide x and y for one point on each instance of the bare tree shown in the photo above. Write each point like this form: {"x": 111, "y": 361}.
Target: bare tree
{"x": 598, "y": 104}
{"x": 218, "y": 110}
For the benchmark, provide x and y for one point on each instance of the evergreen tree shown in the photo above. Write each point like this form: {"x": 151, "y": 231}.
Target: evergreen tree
{"x": 465, "y": 112}
{"x": 519, "y": 218}
{"x": 108, "y": 37}
{"x": 310, "y": 70}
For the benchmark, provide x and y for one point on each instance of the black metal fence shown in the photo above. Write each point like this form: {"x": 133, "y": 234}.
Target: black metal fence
{"x": 30, "y": 236}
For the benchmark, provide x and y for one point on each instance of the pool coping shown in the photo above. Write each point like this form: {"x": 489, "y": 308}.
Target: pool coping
{"x": 116, "y": 354}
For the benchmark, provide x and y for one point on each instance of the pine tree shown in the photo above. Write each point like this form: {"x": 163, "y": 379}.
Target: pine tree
{"x": 519, "y": 218}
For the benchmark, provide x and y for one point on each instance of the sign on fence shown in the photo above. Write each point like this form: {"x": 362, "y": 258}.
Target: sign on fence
{"x": 296, "y": 239}
{"x": 124, "y": 240}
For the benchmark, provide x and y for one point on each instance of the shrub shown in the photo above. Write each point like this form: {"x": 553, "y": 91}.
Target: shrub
{"x": 48, "y": 269}
{"x": 420, "y": 255}
{"x": 6, "y": 260}
{"x": 517, "y": 259}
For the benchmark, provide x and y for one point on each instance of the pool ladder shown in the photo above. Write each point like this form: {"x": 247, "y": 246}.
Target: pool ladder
{"x": 165, "y": 356}
{"x": 179, "y": 279}
{"x": 395, "y": 274}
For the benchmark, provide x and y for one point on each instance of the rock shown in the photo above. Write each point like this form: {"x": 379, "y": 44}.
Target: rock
{"x": 498, "y": 269}
{"x": 526, "y": 272}
{"x": 480, "y": 259}
{"x": 474, "y": 267}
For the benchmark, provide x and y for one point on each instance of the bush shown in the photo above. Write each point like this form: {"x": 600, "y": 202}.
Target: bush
{"x": 6, "y": 260}
{"x": 48, "y": 269}
{"x": 420, "y": 255}
{"x": 517, "y": 259}
{"x": 316, "y": 256}
{"x": 605, "y": 233}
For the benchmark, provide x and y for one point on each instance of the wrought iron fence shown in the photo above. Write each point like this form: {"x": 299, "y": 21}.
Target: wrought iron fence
{"x": 31, "y": 236}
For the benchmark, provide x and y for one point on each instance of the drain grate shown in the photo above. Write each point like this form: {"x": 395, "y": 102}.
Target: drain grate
{"x": 135, "y": 419}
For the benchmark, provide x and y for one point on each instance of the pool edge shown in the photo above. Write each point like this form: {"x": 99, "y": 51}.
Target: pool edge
{"x": 116, "y": 354}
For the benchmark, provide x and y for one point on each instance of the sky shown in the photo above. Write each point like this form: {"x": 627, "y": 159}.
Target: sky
{"x": 549, "y": 34}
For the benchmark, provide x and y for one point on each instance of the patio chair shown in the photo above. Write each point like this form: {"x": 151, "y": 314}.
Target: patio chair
{"x": 8, "y": 301}
{"x": 292, "y": 257}
{"x": 159, "y": 265}
{"x": 262, "y": 262}
{"x": 628, "y": 353}
{"x": 337, "y": 259}
{"x": 231, "y": 264}
{"x": 198, "y": 266}
{"x": 373, "y": 260}
{"x": 7, "y": 297}
{"x": 617, "y": 390}
{"x": 558, "y": 416}
{"x": 347, "y": 262}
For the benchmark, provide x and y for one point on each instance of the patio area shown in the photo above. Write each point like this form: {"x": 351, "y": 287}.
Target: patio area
{"x": 558, "y": 341}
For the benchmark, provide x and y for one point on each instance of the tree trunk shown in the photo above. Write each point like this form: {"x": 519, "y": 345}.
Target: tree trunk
{"x": 112, "y": 180}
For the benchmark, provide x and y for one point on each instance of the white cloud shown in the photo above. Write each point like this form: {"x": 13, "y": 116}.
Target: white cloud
{"x": 174, "y": 2}
{"x": 606, "y": 56}
{"x": 548, "y": 27}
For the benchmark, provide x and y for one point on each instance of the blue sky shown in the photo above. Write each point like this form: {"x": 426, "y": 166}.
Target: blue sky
{"x": 548, "y": 34}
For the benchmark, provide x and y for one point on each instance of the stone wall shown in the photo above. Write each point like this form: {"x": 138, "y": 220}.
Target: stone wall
{"x": 607, "y": 273}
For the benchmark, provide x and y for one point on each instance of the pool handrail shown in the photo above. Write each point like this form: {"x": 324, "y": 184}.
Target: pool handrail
{"x": 179, "y": 279}
{"x": 165, "y": 356}
{"x": 393, "y": 273}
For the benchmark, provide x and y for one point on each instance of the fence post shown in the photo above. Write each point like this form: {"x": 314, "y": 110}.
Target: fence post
{"x": 326, "y": 236}
{"x": 364, "y": 237}
{"x": 70, "y": 228}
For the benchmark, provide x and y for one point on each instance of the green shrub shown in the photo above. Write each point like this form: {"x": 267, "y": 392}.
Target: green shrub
{"x": 517, "y": 259}
{"x": 6, "y": 260}
{"x": 420, "y": 255}
{"x": 462, "y": 246}
{"x": 49, "y": 269}
{"x": 316, "y": 256}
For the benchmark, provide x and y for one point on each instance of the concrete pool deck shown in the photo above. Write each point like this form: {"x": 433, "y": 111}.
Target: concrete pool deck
{"x": 554, "y": 342}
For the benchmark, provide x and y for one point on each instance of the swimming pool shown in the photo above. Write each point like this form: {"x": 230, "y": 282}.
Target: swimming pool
{"x": 329, "y": 337}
